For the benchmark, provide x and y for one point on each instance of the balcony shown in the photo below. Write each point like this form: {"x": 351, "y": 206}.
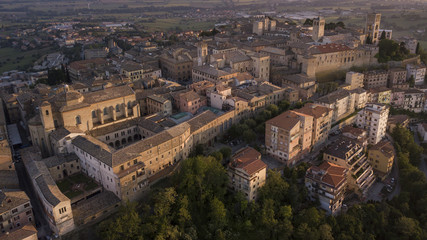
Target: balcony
{"x": 132, "y": 169}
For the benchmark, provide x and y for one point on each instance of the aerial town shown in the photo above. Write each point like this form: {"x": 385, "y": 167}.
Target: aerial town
{"x": 258, "y": 127}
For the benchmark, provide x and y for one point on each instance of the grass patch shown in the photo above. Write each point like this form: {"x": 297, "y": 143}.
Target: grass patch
{"x": 15, "y": 59}
{"x": 67, "y": 184}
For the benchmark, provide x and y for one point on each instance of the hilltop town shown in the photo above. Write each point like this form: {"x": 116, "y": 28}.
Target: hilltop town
{"x": 309, "y": 120}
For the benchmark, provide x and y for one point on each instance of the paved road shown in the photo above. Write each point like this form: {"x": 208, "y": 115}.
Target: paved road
{"x": 25, "y": 184}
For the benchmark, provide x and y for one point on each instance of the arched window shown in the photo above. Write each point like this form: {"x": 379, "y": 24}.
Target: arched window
{"x": 129, "y": 105}
{"x": 93, "y": 114}
{"x": 105, "y": 111}
{"x": 117, "y": 108}
{"x": 78, "y": 120}
{"x": 47, "y": 112}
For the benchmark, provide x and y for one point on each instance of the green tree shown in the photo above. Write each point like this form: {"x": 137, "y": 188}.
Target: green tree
{"x": 226, "y": 152}
{"x": 249, "y": 136}
{"x": 126, "y": 225}
{"x": 217, "y": 155}
{"x": 273, "y": 109}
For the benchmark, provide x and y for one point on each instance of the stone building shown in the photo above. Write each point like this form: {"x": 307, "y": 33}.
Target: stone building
{"x": 372, "y": 27}
{"x": 82, "y": 110}
{"x": 15, "y": 210}
{"x": 381, "y": 157}
{"x": 57, "y": 206}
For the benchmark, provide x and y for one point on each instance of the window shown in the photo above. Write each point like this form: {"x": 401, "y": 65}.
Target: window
{"x": 117, "y": 108}
{"x": 105, "y": 111}
{"x": 78, "y": 120}
{"x": 93, "y": 114}
{"x": 15, "y": 210}
{"x": 26, "y": 205}
{"x": 47, "y": 112}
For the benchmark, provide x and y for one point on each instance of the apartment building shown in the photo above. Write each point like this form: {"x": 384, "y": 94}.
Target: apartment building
{"x": 15, "y": 210}
{"x": 354, "y": 80}
{"x": 381, "y": 95}
{"x": 289, "y": 136}
{"x": 381, "y": 157}
{"x": 413, "y": 100}
{"x": 348, "y": 153}
{"x": 327, "y": 183}
{"x": 373, "y": 118}
{"x": 418, "y": 72}
{"x": 397, "y": 78}
{"x": 322, "y": 119}
{"x": 375, "y": 79}
{"x": 247, "y": 172}
{"x": 342, "y": 102}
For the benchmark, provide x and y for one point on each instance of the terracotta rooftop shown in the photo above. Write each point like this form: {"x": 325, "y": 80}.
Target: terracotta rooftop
{"x": 314, "y": 110}
{"x": 328, "y": 173}
{"x": 330, "y": 48}
{"x": 249, "y": 160}
{"x": 385, "y": 147}
{"x": 287, "y": 120}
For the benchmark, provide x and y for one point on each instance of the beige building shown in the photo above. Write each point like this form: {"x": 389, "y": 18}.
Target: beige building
{"x": 342, "y": 102}
{"x": 177, "y": 64}
{"x": 354, "y": 79}
{"x": 375, "y": 79}
{"x": 381, "y": 157}
{"x": 322, "y": 119}
{"x": 82, "y": 110}
{"x": 15, "y": 210}
{"x": 57, "y": 207}
{"x": 159, "y": 104}
{"x": 247, "y": 172}
{"x": 318, "y": 28}
{"x": 348, "y": 153}
{"x": 327, "y": 183}
{"x": 397, "y": 78}
{"x": 6, "y": 161}
{"x": 26, "y": 232}
{"x": 373, "y": 118}
{"x": 136, "y": 71}
{"x": 289, "y": 136}
{"x": 127, "y": 170}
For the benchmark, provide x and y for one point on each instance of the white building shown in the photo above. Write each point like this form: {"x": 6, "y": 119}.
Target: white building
{"x": 417, "y": 71}
{"x": 373, "y": 118}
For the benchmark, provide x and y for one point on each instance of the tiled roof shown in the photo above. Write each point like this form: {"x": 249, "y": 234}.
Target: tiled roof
{"x": 201, "y": 120}
{"x": 107, "y": 94}
{"x": 341, "y": 147}
{"x": 96, "y": 148}
{"x": 59, "y": 159}
{"x": 333, "y": 97}
{"x": 314, "y": 110}
{"x": 249, "y": 160}
{"x": 328, "y": 173}
{"x": 12, "y": 199}
{"x": 329, "y": 48}
{"x": 25, "y": 232}
{"x": 287, "y": 120}
{"x": 384, "y": 147}
{"x": 62, "y": 132}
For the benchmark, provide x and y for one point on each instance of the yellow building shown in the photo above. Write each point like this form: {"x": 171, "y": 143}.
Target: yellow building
{"x": 381, "y": 157}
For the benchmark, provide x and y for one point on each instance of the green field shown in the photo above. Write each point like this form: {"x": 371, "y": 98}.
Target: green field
{"x": 11, "y": 58}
